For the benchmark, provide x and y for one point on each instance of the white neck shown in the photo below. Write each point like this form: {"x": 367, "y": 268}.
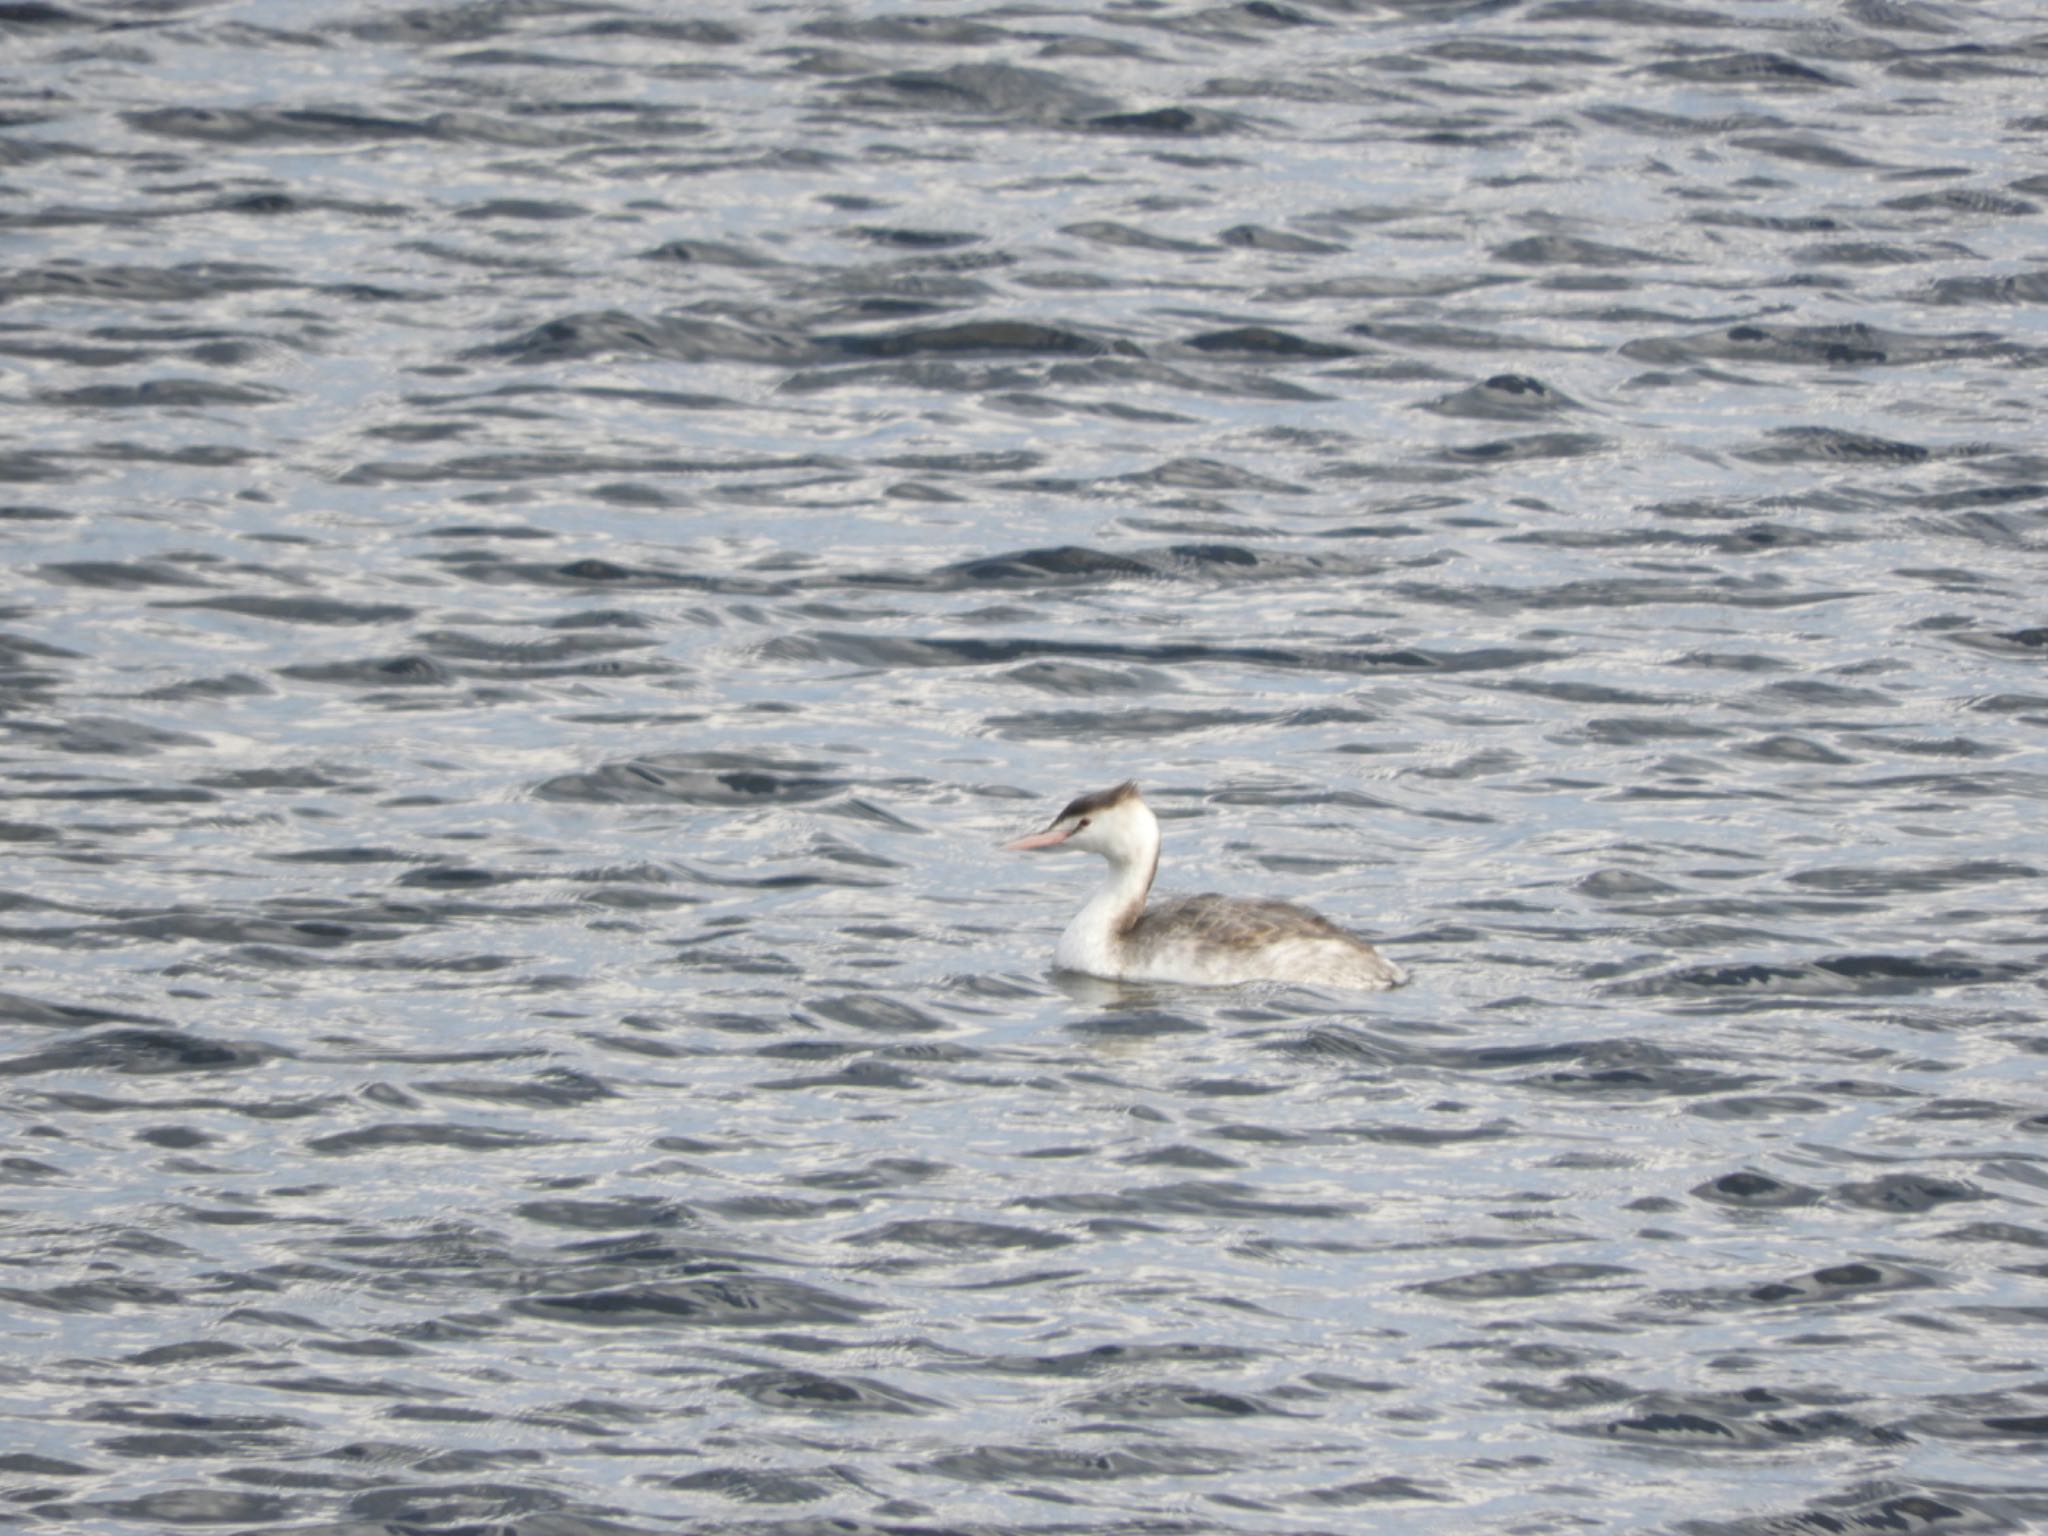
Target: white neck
{"x": 1094, "y": 939}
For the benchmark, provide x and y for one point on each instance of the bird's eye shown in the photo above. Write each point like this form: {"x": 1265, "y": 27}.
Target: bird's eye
{"x": 1081, "y": 823}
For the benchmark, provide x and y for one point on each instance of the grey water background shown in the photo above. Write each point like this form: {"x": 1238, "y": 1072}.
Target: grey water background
{"x": 546, "y": 543}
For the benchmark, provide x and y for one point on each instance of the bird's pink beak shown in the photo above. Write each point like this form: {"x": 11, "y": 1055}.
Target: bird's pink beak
{"x": 1052, "y": 837}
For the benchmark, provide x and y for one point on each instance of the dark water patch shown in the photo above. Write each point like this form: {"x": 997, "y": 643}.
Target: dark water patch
{"x": 2006, "y": 288}
{"x": 1998, "y": 1232}
{"x": 274, "y": 1109}
{"x": 24, "y": 1464}
{"x": 1890, "y": 1508}
{"x": 727, "y": 1301}
{"x": 220, "y": 928}
{"x": 1264, "y": 342}
{"x": 718, "y": 779}
{"x": 189, "y": 283}
{"x": 1208, "y": 474}
{"x": 992, "y": 91}
{"x": 892, "y": 652}
{"x": 2028, "y": 641}
{"x": 1066, "y": 565}
{"x": 179, "y": 1508}
{"x": 1427, "y": 1137}
{"x": 1728, "y": 590}
{"x": 633, "y": 1213}
{"x": 1813, "y": 692}
{"x": 133, "y": 794}
{"x": 568, "y": 653}
{"x": 1193, "y": 1159}
{"x": 170, "y": 1446}
{"x": 1130, "y": 724}
{"x": 135, "y": 1050}
{"x": 1073, "y": 678}
{"x": 924, "y": 31}
{"x": 120, "y": 575}
{"x": 1121, "y": 236}
{"x": 1623, "y": 885}
{"x": 976, "y": 338}
{"x": 297, "y": 610}
{"x": 918, "y": 239}
{"x": 693, "y": 31}
{"x": 1635, "y": 13}
{"x": 1009, "y": 1465}
{"x": 556, "y": 1088}
{"x": 1718, "y": 1424}
{"x": 1967, "y": 200}
{"x": 1795, "y": 445}
{"x": 259, "y": 125}
{"x": 1887, "y": 973}
{"x": 1806, "y": 149}
{"x": 164, "y": 394}
{"x": 521, "y": 208}
{"x": 453, "y": 877}
{"x": 710, "y": 253}
{"x": 1904, "y": 1193}
{"x": 1771, "y": 71}
{"x": 963, "y": 1237}
{"x": 1993, "y": 1415}
{"x": 1575, "y": 1391}
{"x": 1981, "y": 496}
{"x": 1504, "y": 397}
{"x": 1365, "y": 1492}
{"x": 1105, "y": 1359}
{"x": 882, "y": 1173}
{"x": 1758, "y": 1106}
{"x": 1135, "y": 1024}
{"x": 22, "y": 467}
{"x": 1852, "y": 345}
{"x": 617, "y": 333}
{"x": 752, "y": 1485}
{"x": 1441, "y": 336}
{"x": 1573, "y": 251}
{"x": 92, "y": 1297}
{"x": 1151, "y": 1400}
{"x": 448, "y": 1135}
{"x": 1867, "y": 253}
{"x": 1174, "y": 122}
{"x": 1345, "y": 1042}
{"x": 1839, "y": 1282}
{"x": 407, "y": 670}
{"x": 1791, "y": 749}
{"x": 875, "y": 1013}
{"x": 856, "y": 1074}
{"x": 97, "y": 736}
{"x": 591, "y": 573}
{"x": 1882, "y": 880}
{"x": 29, "y": 15}
{"x": 1630, "y": 118}
{"x": 1836, "y": 975}
{"x": 795, "y": 1391}
{"x": 1638, "y": 730}
{"x": 1749, "y": 1190}
{"x": 1519, "y": 1284}
{"x": 1189, "y": 1197}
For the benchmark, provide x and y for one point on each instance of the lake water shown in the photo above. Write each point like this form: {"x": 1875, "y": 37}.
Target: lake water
{"x": 548, "y": 543}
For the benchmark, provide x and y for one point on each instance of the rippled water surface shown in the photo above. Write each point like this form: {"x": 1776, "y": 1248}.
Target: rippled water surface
{"x": 548, "y": 542}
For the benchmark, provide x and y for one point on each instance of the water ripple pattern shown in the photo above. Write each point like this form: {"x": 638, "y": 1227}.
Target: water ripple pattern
{"x": 548, "y": 543}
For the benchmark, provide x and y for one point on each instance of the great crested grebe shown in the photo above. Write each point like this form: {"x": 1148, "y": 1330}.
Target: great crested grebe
{"x": 1207, "y": 940}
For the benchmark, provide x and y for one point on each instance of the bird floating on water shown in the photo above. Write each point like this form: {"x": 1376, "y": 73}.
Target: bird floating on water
{"x": 1206, "y": 940}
